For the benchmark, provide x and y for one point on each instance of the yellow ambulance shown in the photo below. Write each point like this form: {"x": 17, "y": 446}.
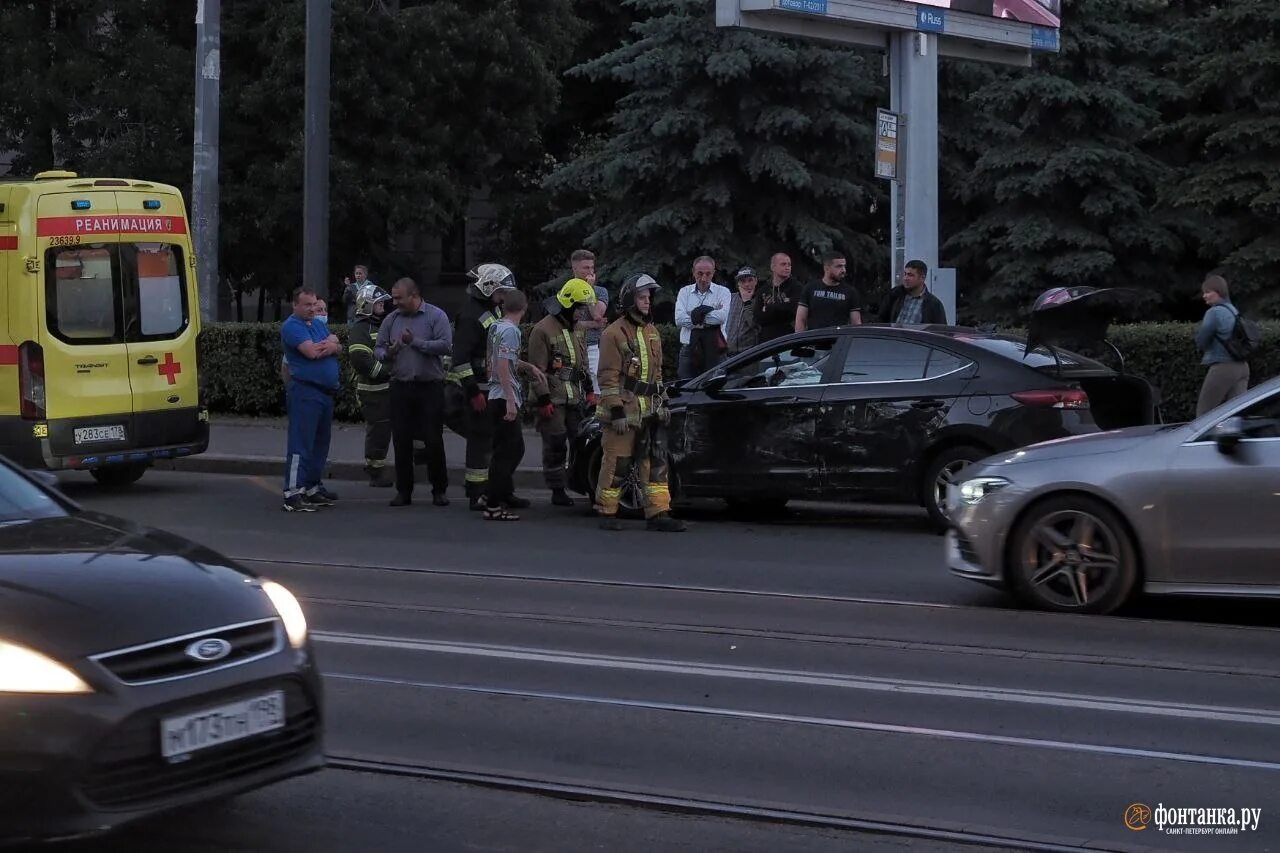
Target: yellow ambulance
{"x": 98, "y": 325}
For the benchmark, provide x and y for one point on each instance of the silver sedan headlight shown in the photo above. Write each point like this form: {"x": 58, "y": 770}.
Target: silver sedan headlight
{"x": 973, "y": 491}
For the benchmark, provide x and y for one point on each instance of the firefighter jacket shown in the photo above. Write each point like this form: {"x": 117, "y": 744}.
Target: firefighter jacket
{"x": 560, "y": 354}
{"x": 371, "y": 374}
{"x": 471, "y": 346}
{"x": 630, "y": 370}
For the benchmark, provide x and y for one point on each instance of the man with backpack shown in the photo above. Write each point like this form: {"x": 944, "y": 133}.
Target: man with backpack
{"x": 1227, "y": 340}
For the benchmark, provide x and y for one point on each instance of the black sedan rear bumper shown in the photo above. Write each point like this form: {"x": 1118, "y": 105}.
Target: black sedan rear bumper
{"x": 79, "y": 765}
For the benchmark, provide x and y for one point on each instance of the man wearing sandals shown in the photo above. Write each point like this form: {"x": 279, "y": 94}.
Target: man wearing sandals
{"x": 503, "y": 365}
{"x": 634, "y": 410}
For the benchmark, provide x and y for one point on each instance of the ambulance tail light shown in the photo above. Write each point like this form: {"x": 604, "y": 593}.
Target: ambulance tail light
{"x": 31, "y": 381}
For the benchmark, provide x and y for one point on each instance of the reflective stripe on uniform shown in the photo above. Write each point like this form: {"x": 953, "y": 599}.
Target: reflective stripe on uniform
{"x": 360, "y": 348}
{"x": 572, "y": 350}
{"x": 609, "y": 500}
{"x": 463, "y": 372}
{"x": 364, "y": 386}
{"x": 643, "y": 345}
{"x": 476, "y": 475}
{"x": 488, "y": 319}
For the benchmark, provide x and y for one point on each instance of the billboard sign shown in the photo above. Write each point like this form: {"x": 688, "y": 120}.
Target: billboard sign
{"x": 1038, "y": 13}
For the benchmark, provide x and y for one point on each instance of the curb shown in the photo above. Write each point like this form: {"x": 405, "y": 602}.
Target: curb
{"x": 266, "y": 466}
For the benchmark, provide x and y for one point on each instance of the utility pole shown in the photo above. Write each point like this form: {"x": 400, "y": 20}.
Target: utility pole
{"x": 204, "y": 177}
{"x": 315, "y": 228}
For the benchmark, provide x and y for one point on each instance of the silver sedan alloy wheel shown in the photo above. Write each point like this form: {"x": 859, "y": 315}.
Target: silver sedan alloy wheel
{"x": 1071, "y": 559}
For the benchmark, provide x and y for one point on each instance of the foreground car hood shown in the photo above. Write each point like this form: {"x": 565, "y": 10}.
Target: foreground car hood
{"x": 1114, "y": 441}
{"x": 90, "y": 583}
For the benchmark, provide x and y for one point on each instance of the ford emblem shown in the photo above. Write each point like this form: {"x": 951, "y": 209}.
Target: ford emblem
{"x": 208, "y": 651}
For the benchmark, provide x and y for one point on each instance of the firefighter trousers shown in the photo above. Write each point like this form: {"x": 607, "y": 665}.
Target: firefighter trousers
{"x": 617, "y": 472}
{"x": 376, "y": 408}
{"x": 479, "y": 426}
{"x": 556, "y": 432}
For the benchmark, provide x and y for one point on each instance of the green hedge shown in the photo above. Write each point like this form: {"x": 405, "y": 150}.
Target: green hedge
{"x": 240, "y": 368}
{"x": 240, "y": 365}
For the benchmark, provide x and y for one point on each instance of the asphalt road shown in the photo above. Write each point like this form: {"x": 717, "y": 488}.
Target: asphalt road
{"x": 817, "y": 682}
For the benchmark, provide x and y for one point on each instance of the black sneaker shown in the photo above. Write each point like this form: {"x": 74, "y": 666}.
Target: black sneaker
{"x": 316, "y": 499}
{"x": 560, "y": 498}
{"x": 439, "y": 499}
{"x": 295, "y": 503}
{"x": 326, "y": 494}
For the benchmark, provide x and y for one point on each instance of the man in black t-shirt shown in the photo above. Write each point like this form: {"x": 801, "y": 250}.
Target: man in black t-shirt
{"x": 830, "y": 302}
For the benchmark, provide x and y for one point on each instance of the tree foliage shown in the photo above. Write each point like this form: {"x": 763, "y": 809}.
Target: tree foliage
{"x": 1065, "y": 177}
{"x": 725, "y": 142}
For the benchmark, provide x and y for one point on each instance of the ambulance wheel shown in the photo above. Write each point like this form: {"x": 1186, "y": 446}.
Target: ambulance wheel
{"x": 118, "y": 476}
{"x": 631, "y": 502}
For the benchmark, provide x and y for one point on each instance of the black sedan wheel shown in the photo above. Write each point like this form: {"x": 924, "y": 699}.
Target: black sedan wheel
{"x": 941, "y": 473}
{"x": 1073, "y": 555}
{"x": 631, "y": 502}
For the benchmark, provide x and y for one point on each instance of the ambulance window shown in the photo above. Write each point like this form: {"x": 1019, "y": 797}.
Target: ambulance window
{"x": 162, "y": 308}
{"x": 82, "y": 295}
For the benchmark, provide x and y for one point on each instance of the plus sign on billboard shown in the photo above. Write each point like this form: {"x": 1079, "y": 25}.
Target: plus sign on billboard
{"x": 1039, "y": 13}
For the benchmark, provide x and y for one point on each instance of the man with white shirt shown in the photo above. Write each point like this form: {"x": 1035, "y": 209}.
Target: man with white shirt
{"x": 701, "y": 311}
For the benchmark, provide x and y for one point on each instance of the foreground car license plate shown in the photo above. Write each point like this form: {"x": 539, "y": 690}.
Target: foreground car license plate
{"x": 192, "y": 732}
{"x": 88, "y": 435}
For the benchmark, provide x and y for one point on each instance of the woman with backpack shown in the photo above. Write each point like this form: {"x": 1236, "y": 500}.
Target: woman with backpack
{"x": 1217, "y": 338}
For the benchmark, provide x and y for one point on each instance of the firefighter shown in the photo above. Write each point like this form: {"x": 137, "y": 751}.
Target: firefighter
{"x": 470, "y": 347}
{"x": 561, "y": 355}
{"x": 372, "y": 380}
{"x": 633, "y": 409}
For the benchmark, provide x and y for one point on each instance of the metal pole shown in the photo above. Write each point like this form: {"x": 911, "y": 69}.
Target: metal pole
{"x": 204, "y": 177}
{"x": 315, "y": 229}
{"x": 913, "y": 89}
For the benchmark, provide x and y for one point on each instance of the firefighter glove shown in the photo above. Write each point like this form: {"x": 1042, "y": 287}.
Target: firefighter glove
{"x": 619, "y": 422}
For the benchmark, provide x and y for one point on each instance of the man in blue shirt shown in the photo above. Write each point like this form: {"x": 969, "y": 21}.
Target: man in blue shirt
{"x": 312, "y": 356}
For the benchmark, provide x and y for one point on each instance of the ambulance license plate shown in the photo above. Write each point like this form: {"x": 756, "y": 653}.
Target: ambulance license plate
{"x": 89, "y": 435}
{"x": 180, "y": 736}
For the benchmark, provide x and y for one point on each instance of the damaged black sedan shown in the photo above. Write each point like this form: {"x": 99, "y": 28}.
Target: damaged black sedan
{"x": 139, "y": 672}
{"x": 885, "y": 413}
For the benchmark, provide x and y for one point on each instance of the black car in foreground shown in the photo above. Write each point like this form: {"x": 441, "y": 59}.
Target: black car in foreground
{"x": 139, "y": 672}
{"x": 883, "y": 413}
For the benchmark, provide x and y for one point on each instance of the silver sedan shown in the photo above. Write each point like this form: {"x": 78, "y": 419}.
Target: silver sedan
{"x": 1081, "y": 524}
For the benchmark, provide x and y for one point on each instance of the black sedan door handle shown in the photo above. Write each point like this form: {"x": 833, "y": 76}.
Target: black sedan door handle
{"x": 150, "y": 359}
{"x": 927, "y": 404}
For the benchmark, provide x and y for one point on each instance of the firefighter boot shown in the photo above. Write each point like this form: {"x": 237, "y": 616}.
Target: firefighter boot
{"x": 663, "y": 522}
{"x": 560, "y": 498}
{"x": 610, "y": 522}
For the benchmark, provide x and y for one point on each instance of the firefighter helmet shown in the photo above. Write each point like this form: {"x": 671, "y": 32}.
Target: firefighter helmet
{"x": 633, "y": 285}
{"x": 487, "y": 279}
{"x": 369, "y": 296}
{"x": 576, "y": 291}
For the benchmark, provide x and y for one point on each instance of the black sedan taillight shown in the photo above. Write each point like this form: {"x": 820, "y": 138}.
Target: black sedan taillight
{"x": 1054, "y": 398}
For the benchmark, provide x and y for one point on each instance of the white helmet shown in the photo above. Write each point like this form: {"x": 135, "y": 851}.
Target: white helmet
{"x": 487, "y": 279}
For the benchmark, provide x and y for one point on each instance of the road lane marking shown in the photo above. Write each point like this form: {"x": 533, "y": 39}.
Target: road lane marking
{"x": 849, "y": 682}
{"x": 830, "y": 722}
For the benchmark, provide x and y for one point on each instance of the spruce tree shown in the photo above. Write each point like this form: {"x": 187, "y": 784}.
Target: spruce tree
{"x": 726, "y": 142}
{"x": 1064, "y": 172}
{"x": 1229, "y": 137}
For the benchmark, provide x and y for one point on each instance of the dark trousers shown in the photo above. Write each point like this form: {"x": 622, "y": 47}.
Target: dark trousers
{"x": 556, "y": 434}
{"x": 307, "y": 454}
{"x": 508, "y": 450}
{"x": 376, "y": 407}
{"x": 479, "y": 446}
{"x": 417, "y": 411}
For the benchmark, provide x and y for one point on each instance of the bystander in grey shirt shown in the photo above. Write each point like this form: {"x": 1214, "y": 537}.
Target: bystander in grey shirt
{"x": 419, "y": 361}
{"x": 504, "y": 345}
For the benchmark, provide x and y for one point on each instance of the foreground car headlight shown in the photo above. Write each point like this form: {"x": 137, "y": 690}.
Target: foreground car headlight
{"x": 25, "y": 671}
{"x": 973, "y": 491}
{"x": 295, "y": 624}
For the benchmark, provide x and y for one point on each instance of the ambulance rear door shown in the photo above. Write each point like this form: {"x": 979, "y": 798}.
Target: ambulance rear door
{"x": 161, "y": 317}
{"x": 85, "y": 360}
